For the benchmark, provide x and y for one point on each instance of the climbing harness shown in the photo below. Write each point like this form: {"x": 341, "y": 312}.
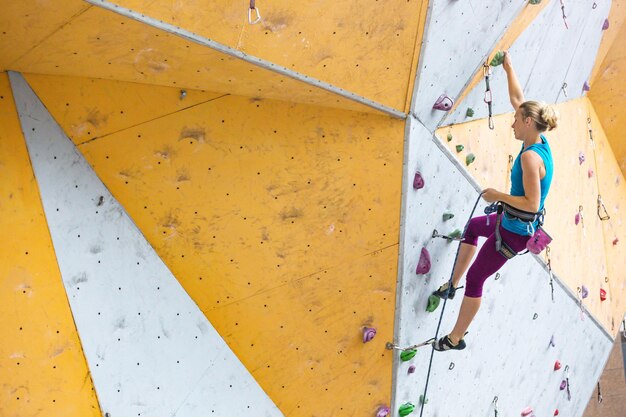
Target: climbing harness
{"x": 495, "y": 405}
{"x": 540, "y": 238}
{"x": 253, "y": 10}
{"x": 549, "y": 263}
{"x": 488, "y": 98}
{"x": 563, "y": 13}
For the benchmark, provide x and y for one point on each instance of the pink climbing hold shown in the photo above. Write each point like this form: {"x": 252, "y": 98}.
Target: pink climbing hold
{"x": 411, "y": 369}
{"x": 586, "y": 86}
{"x": 383, "y": 411}
{"x": 423, "y": 266}
{"x": 418, "y": 181}
{"x": 577, "y": 219}
{"x": 605, "y": 25}
{"x": 590, "y": 173}
{"x": 563, "y": 385}
{"x": 527, "y": 411}
{"x": 557, "y": 365}
{"x": 556, "y": 412}
{"x": 443, "y": 103}
{"x": 581, "y": 158}
{"x": 602, "y": 295}
{"x": 368, "y": 334}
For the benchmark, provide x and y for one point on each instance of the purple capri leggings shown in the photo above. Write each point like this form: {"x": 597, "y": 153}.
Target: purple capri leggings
{"x": 488, "y": 260}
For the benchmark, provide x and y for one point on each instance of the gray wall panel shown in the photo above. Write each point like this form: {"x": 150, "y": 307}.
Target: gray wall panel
{"x": 508, "y": 352}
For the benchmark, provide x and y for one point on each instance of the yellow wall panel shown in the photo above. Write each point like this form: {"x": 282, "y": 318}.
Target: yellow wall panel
{"x": 578, "y": 254}
{"x": 344, "y": 43}
{"x": 273, "y": 215}
{"x": 607, "y": 95}
{"x": 26, "y": 23}
{"x": 43, "y": 366}
{"x": 87, "y": 108}
{"x": 102, "y": 44}
{"x": 612, "y": 38}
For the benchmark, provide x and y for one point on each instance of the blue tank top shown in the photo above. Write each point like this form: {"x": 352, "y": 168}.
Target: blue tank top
{"x": 517, "y": 186}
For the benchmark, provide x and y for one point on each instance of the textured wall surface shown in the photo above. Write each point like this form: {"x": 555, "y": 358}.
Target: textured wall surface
{"x": 509, "y": 353}
{"x": 162, "y": 363}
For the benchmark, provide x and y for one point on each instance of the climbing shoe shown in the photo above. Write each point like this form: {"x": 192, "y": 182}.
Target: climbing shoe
{"x": 443, "y": 292}
{"x": 445, "y": 343}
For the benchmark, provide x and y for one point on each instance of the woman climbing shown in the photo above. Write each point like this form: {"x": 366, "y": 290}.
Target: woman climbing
{"x": 531, "y": 176}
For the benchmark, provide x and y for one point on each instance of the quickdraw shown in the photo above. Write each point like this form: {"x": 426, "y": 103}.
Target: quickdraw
{"x": 488, "y": 98}
{"x": 563, "y": 13}
{"x": 495, "y": 405}
{"x": 251, "y": 10}
{"x": 549, "y": 263}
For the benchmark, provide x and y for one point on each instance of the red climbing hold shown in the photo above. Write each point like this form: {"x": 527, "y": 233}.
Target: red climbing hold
{"x": 423, "y": 266}
{"x": 615, "y": 241}
{"x": 527, "y": 411}
{"x": 418, "y": 181}
{"x": 556, "y": 412}
{"x": 557, "y": 365}
{"x": 590, "y": 173}
{"x": 602, "y": 295}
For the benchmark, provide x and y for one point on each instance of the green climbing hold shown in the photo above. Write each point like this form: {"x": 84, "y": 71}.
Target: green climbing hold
{"x": 498, "y": 59}
{"x": 447, "y": 216}
{"x": 459, "y": 148}
{"x": 406, "y": 409}
{"x": 433, "y": 303}
{"x": 534, "y": 1}
{"x": 407, "y": 355}
{"x": 469, "y": 112}
{"x": 456, "y": 234}
{"x": 423, "y": 400}
{"x": 449, "y": 137}
{"x": 469, "y": 159}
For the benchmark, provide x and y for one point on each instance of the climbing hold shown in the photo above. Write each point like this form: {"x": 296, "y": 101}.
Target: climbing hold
{"x": 563, "y": 385}
{"x": 406, "y": 409}
{"x": 556, "y": 412}
{"x": 423, "y": 400}
{"x": 411, "y": 369}
{"x": 605, "y": 25}
{"x": 498, "y": 59}
{"x": 449, "y": 137}
{"x": 469, "y": 159}
{"x": 469, "y": 112}
{"x": 368, "y": 334}
{"x": 581, "y": 157}
{"x": 433, "y": 303}
{"x": 459, "y": 148}
{"x": 577, "y": 219}
{"x": 455, "y": 234}
{"x": 615, "y": 241}
{"x": 418, "y": 181}
{"x": 527, "y": 411}
{"x": 584, "y": 292}
{"x": 443, "y": 103}
{"x": 602, "y": 295}
{"x": 407, "y": 355}
{"x": 557, "y": 365}
{"x": 534, "y": 1}
{"x": 586, "y": 86}
{"x": 447, "y": 216}
{"x": 383, "y": 411}
{"x": 423, "y": 265}
{"x": 590, "y": 173}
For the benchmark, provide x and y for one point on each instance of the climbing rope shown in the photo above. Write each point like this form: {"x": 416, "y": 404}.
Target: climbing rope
{"x": 563, "y": 13}
{"x": 488, "y": 98}
{"x": 432, "y": 353}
